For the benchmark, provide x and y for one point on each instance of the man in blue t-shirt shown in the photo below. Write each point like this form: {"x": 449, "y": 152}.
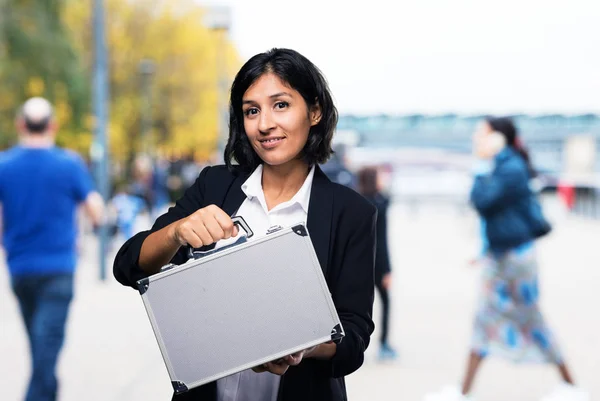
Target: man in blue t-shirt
{"x": 41, "y": 187}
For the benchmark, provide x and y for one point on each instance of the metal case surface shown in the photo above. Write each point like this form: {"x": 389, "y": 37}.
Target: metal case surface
{"x": 240, "y": 307}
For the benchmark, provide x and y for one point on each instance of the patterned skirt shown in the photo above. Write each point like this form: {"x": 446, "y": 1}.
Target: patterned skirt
{"x": 508, "y": 322}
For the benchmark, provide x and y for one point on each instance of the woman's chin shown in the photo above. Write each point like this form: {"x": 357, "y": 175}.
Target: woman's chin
{"x": 272, "y": 162}
{"x": 277, "y": 161}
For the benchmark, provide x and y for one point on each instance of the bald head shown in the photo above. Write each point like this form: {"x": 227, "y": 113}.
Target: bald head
{"x": 36, "y": 116}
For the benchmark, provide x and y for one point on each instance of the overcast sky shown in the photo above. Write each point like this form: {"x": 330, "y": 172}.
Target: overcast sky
{"x": 437, "y": 56}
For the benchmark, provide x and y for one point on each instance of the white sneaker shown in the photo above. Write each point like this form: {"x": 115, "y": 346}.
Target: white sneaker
{"x": 449, "y": 393}
{"x": 567, "y": 392}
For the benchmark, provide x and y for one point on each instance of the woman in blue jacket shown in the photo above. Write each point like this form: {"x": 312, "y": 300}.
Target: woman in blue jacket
{"x": 508, "y": 322}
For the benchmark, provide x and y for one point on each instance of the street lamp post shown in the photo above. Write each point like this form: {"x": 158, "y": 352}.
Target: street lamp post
{"x": 146, "y": 71}
{"x": 218, "y": 19}
{"x": 99, "y": 150}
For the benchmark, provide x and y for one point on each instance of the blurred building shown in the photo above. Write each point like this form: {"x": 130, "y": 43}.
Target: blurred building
{"x": 544, "y": 135}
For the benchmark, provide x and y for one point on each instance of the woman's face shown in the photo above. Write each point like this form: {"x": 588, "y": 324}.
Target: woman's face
{"x": 277, "y": 120}
{"x": 483, "y": 128}
{"x": 486, "y": 142}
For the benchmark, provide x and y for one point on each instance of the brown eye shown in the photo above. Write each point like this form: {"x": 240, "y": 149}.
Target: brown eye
{"x": 251, "y": 111}
{"x": 281, "y": 105}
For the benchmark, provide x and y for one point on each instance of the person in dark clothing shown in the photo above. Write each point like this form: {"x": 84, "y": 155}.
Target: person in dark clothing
{"x": 336, "y": 170}
{"x": 282, "y": 119}
{"x": 368, "y": 185}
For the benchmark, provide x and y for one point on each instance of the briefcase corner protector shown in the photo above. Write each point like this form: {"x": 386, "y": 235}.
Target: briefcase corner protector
{"x": 179, "y": 387}
{"x": 143, "y": 285}
{"x": 300, "y": 229}
{"x": 337, "y": 333}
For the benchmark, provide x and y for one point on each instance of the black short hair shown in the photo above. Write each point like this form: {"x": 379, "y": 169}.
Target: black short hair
{"x": 38, "y": 126}
{"x": 300, "y": 74}
{"x": 367, "y": 181}
{"x": 505, "y": 126}
{"x": 508, "y": 129}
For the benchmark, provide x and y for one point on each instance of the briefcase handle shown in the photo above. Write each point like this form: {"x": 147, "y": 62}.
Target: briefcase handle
{"x": 241, "y": 223}
{"x": 195, "y": 253}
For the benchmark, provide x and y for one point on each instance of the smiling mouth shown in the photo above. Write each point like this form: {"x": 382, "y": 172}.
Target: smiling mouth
{"x": 270, "y": 140}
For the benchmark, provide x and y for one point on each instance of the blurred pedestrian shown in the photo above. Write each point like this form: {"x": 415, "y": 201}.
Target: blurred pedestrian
{"x": 41, "y": 186}
{"x": 369, "y": 186}
{"x": 125, "y": 207}
{"x": 336, "y": 168}
{"x": 508, "y": 322}
{"x": 190, "y": 171}
{"x": 142, "y": 180}
{"x": 159, "y": 187}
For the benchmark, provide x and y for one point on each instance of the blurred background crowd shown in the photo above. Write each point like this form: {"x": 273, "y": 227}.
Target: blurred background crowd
{"x": 141, "y": 96}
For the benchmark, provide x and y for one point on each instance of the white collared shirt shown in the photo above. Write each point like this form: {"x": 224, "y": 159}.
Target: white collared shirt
{"x": 256, "y": 213}
{"x": 247, "y": 385}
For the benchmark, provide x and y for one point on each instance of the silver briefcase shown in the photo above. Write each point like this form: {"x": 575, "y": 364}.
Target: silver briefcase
{"x": 234, "y": 308}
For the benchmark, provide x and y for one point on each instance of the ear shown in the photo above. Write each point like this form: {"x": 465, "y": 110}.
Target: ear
{"x": 53, "y": 126}
{"x": 315, "y": 114}
{"x": 20, "y": 125}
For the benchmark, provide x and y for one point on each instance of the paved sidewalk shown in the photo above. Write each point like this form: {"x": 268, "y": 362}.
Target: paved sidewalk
{"x": 111, "y": 353}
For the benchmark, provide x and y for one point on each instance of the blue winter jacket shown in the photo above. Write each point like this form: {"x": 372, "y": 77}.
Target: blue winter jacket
{"x": 502, "y": 200}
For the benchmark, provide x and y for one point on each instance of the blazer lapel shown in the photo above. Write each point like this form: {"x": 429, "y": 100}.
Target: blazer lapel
{"x": 234, "y": 197}
{"x": 320, "y": 215}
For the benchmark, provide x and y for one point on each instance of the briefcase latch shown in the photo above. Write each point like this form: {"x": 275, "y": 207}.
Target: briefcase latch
{"x": 274, "y": 229}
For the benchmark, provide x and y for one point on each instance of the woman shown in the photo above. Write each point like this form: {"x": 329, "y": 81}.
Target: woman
{"x": 369, "y": 187}
{"x": 282, "y": 119}
{"x": 508, "y": 322}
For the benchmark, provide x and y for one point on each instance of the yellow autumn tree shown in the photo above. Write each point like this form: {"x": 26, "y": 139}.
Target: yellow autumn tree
{"x": 183, "y": 88}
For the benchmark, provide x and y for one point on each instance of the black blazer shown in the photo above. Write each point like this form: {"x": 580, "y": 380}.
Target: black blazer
{"x": 342, "y": 228}
{"x": 382, "y": 254}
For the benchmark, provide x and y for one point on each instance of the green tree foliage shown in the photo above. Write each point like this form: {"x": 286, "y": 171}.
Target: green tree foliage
{"x": 38, "y": 59}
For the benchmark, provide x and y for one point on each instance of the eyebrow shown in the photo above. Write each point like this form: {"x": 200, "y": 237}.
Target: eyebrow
{"x": 274, "y": 96}
{"x": 280, "y": 94}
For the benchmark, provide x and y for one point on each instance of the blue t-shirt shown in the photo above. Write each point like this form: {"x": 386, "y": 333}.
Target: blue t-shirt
{"x": 40, "y": 189}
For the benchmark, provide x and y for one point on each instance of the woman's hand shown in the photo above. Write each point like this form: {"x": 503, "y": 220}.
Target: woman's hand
{"x": 204, "y": 227}
{"x": 281, "y": 365}
{"x": 386, "y": 281}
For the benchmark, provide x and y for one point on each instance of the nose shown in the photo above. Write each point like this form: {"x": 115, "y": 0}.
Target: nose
{"x": 266, "y": 123}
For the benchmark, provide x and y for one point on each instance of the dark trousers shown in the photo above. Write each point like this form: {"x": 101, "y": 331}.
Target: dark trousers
{"x": 385, "y": 313}
{"x": 44, "y": 302}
